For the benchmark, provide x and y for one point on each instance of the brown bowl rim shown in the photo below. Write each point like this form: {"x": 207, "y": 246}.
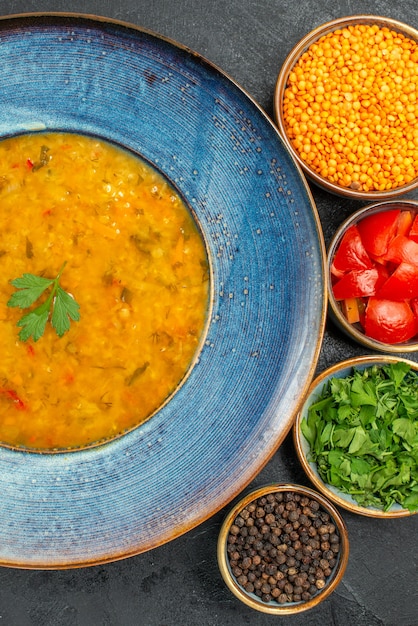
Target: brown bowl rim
{"x": 293, "y": 56}
{"x": 319, "y": 484}
{"x": 333, "y": 307}
{"x": 250, "y": 599}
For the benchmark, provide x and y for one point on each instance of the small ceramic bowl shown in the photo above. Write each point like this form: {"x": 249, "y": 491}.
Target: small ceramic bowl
{"x": 355, "y": 189}
{"x": 340, "y": 370}
{"x": 270, "y": 500}
{"x": 356, "y": 330}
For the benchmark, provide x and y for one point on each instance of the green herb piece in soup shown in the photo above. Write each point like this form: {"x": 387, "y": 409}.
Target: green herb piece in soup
{"x": 64, "y": 308}
{"x": 44, "y": 158}
{"x": 363, "y": 435}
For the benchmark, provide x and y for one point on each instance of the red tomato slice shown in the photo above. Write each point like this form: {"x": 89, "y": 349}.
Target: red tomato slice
{"x": 336, "y": 274}
{"x": 360, "y": 283}
{"x": 402, "y": 248}
{"x": 377, "y": 230}
{"x": 413, "y": 232}
{"x": 401, "y": 285}
{"x": 351, "y": 253}
{"x": 404, "y": 223}
{"x": 390, "y": 322}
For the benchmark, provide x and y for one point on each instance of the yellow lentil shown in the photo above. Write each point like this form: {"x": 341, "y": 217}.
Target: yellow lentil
{"x": 351, "y": 100}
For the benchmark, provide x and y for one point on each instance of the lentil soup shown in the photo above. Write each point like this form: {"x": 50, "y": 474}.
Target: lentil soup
{"x": 136, "y": 264}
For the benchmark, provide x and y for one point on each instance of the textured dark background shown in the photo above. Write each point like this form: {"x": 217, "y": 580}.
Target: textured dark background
{"x": 179, "y": 584}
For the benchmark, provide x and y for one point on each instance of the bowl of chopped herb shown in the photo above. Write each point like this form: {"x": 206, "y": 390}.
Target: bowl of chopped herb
{"x": 283, "y": 548}
{"x": 356, "y": 435}
{"x": 345, "y": 106}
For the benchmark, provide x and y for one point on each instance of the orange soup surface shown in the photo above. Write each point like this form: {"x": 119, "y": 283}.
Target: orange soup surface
{"x": 136, "y": 264}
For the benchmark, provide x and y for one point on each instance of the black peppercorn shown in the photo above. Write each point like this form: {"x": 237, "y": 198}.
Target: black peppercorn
{"x": 283, "y": 548}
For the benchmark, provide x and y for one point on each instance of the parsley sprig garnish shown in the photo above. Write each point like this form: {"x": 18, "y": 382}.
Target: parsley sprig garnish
{"x": 60, "y": 306}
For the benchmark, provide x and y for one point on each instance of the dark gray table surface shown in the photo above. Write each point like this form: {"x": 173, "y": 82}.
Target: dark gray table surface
{"x": 178, "y": 584}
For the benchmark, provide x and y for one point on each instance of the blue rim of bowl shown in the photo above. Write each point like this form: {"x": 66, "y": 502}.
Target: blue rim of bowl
{"x": 354, "y": 331}
{"x": 302, "y": 446}
{"x": 263, "y": 234}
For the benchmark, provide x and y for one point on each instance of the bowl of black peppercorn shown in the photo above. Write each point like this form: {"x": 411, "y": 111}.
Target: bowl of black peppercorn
{"x": 283, "y": 549}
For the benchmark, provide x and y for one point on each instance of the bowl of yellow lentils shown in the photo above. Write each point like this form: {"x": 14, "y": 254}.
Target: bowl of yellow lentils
{"x": 346, "y": 105}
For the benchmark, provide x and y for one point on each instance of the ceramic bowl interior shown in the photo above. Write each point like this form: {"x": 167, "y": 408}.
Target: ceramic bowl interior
{"x": 354, "y": 331}
{"x": 340, "y": 498}
{"x": 299, "y": 49}
{"x": 273, "y": 607}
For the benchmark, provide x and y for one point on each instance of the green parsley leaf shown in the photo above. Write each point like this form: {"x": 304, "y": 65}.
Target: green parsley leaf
{"x": 363, "y": 392}
{"x": 30, "y": 288}
{"x": 362, "y": 431}
{"x": 405, "y": 429}
{"x": 33, "y": 324}
{"x": 64, "y": 308}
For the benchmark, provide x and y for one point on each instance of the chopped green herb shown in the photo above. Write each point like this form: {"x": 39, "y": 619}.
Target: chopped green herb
{"x": 363, "y": 435}
{"x": 29, "y": 248}
{"x": 126, "y": 295}
{"x": 64, "y": 308}
{"x": 44, "y": 158}
{"x": 137, "y": 373}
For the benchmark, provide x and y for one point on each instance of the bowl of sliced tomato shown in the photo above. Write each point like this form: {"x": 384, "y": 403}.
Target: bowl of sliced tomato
{"x": 373, "y": 276}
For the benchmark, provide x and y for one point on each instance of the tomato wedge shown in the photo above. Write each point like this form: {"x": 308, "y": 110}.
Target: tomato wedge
{"x": 413, "y": 232}
{"x": 351, "y": 253}
{"x": 360, "y": 283}
{"x": 390, "y": 322}
{"x": 401, "y": 285}
{"x": 374, "y": 275}
{"x": 405, "y": 220}
{"x": 400, "y": 249}
{"x": 377, "y": 230}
